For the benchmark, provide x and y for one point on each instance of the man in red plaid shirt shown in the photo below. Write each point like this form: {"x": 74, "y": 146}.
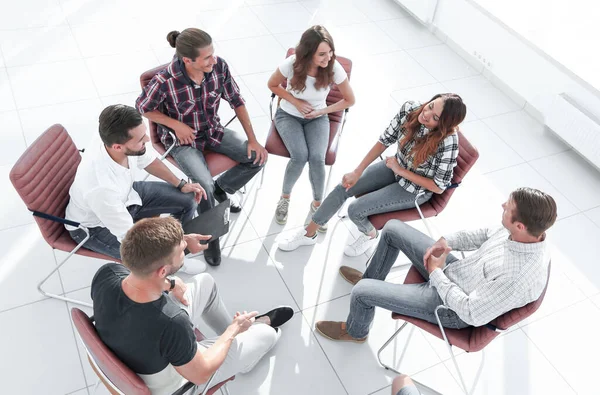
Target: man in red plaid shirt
{"x": 184, "y": 99}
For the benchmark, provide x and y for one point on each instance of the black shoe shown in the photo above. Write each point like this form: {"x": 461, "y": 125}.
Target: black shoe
{"x": 220, "y": 196}
{"x": 212, "y": 255}
{"x": 279, "y": 315}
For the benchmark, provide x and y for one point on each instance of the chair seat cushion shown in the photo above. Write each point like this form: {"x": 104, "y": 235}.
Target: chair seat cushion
{"x": 276, "y": 146}
{"x": 64, "y": 242}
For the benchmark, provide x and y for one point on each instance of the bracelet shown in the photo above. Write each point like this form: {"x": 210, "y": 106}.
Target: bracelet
{"x": 181, "y": 184}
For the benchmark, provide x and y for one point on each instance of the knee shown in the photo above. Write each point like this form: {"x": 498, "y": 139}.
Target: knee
{"x": 354, "y": 210}
{"x": 204, "y": 281}
{"x": 392, "y": 230}
{"x": 299, "y": 157}
{"x": 401, "y": 382}
{"x": 360, "y": 291}
{"x": 316, "y": 160}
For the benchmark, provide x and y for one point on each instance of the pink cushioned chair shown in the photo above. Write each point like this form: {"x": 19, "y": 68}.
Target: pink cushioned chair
{"x": 217, "y": 163}
{"x": 470, "y": 339}
{"x": 113, "y": 373}
{"x": 43, "y": 176}
{"x": 467, "y": 156}
{"x": 337, "y": 120}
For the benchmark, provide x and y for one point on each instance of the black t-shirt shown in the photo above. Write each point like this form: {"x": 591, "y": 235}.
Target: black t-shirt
{"x": 145, "y": 336}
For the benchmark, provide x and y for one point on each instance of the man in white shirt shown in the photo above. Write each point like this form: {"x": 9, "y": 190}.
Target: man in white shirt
{"x": 508, "y": 269}
{"x": 106, "y": 199}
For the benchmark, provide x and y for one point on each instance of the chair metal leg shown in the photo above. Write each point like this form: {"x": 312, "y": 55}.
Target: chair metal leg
{"x": 449, "y": 346}
{"x": 225, "y": 390}
{"x": 59, "y": 297}
{"x": 208, "y": 383}
{"x": 387, "y": 367}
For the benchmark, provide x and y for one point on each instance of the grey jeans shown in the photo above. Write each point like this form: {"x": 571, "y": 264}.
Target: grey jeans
{"x": 379, "y": 193}
{"x": 157, "y": 198}
{"x": 192, "y": 162}
{"x": 307, "y": 141}
{"x": 414, "y": 300}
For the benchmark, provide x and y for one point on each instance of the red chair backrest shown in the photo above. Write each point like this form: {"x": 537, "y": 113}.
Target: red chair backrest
{"x": 43, "y": 175}
{"x": 467, "y": 156}
{"x": 473, "y": 339}
{"x": 334, "y": 95}
{"x": 116, "y": 371}
{"x": 145, "y": 78}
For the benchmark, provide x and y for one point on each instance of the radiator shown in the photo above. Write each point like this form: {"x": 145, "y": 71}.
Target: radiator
{"x": 576, "y": 125}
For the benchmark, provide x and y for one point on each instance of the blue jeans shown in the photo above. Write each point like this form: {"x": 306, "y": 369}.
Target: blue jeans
{"x": 380, "y": 192}
{"x": 414, "y": 300}
{"x": 307, "y": 141}
{"x": 191, "y": 161}
{"x": 157, "y": 198}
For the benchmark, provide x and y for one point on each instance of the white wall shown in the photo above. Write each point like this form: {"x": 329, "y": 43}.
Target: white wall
{"x": 516, "y": 64}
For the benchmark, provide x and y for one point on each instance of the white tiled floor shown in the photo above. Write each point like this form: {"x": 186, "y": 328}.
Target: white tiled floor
{"x": 62, "y": 61}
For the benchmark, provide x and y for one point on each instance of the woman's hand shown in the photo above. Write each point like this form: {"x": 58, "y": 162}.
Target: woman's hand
{"x": 303, "y": 107}
{"x": 392, "y": 163}
{"x": 350, "y": 179}
{"x": 314, "y": 114}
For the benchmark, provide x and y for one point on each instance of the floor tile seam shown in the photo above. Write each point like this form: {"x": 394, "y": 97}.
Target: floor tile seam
{"x": 80, "y": 389}
{"x": 317, "y": 341}
{"x": 548, "y": 360}
{"x": 560, "y": 310}
{"x": 551, "y": 183}
{"x": 585, "y": 212}
{"x": 17, "y": 226}
{"x": 14, "y": 99}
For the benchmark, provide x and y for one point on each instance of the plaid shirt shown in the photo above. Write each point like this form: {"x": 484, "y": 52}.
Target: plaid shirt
{"x": 173, "y": 93}
{"x": 500, "y": 276}
{"x": 438, "y": 167}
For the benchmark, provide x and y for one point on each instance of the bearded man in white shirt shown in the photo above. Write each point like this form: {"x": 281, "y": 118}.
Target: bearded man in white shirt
{"x": 508, "y": 269}
{"x": 106, "y": 199}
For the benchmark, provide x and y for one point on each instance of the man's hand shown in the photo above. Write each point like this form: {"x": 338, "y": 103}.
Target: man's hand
{"x": 261, "y": 152}
{"x": 184, "y": 133}
{"x": 350, "y": 179}
{"x": 243, "y": 321}
{"x": 193, "y": 242}
{"x": 437, "y": 248}
{"x": 179, "y": 290}
{"x": 302, "y": 106}
{"x": 198, "y": 191}
{"x": 437, "y": 261}
{"x": 314, "y": 114}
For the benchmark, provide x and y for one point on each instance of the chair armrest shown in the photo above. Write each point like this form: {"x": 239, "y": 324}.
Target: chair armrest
{"x": 55, "y": 218}
{"x": 184, "y": 388}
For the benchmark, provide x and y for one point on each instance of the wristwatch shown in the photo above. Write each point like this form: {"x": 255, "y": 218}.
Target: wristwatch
{"x": 181, "y": 184}
{"x": 172, "y": 281}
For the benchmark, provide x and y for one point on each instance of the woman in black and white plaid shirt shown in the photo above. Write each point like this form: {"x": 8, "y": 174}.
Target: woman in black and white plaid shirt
{"x": 423, "y": 165}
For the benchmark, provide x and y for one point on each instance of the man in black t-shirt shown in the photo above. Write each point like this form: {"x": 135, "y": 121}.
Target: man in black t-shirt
{"x": 147, "y": 318}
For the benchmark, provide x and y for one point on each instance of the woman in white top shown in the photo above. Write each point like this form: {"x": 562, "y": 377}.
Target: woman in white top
{"x": 301, "y": 119}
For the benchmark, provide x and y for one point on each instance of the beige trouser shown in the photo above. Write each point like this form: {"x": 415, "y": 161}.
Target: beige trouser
{"x": 247, "y": 348}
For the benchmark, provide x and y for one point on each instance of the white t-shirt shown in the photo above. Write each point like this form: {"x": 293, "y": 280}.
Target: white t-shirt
{"x": 315, "y": 97}
{"x": 103, "y": 189}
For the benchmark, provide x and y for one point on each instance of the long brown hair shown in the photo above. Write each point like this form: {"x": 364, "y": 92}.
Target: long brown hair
{"x": 452, "y": 115}
{"x": 309, "y": 43}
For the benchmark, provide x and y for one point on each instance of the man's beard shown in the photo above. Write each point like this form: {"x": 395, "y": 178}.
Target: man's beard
{"x": 141, "y": 152}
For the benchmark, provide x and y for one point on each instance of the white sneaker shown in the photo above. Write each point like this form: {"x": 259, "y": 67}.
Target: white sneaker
{"x": 313, "y": 209}
{"x": 296, "y": 240}
{"x": 361, "y": 245}
{"x": 193, "y": 266}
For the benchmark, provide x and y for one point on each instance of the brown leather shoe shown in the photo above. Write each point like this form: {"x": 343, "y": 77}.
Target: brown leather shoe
{"x": 334, "y": 330}
{"x": 351, "y": 275}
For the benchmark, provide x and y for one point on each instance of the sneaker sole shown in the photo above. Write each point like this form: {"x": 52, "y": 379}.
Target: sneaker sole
{"x": 359, "y": 341}
{"x": 281, "y": 222}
